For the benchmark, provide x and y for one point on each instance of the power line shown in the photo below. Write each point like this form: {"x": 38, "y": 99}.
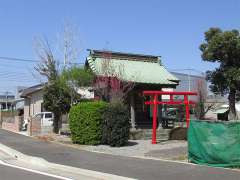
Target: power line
{"x": 17, "y": 59}
{"x": 20, "y": 78}
{"x": 14, "y": 66}
{"x": 17, "y": 75}
{"x": 27, "y": 60}
{"x": 13, "y": 73}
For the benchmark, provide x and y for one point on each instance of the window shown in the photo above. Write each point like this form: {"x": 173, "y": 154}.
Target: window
{"x": 48, "y": 115}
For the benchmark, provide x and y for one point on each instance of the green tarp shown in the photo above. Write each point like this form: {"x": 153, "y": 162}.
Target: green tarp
{"x": 214, "y": 143}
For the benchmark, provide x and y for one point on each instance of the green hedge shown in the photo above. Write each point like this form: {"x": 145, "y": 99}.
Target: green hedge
{"x": 86, "y": 122}
{"x": 116, "y": 125}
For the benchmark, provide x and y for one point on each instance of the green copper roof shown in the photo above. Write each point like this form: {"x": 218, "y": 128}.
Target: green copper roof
{"x": 132, "y": 70}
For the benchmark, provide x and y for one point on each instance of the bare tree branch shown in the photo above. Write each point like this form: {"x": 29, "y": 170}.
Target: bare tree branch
{"x": 111, "y": 86}
{"x": 69, "y": 44}
{"x": 48, "y": 67}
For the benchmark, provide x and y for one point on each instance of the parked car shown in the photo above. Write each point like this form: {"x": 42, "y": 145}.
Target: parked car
{"x": 46, "y": 119}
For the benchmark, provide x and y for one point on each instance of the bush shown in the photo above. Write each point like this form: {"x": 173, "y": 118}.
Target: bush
{"x": 86, "y": 122}
{"x": 116, "y": 125}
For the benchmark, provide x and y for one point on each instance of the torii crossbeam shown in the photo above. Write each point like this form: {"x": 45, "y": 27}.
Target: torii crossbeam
{"x": 155, "y": 102}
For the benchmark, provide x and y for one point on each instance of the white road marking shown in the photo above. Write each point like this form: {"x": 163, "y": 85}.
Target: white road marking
{"x": 35, "y": 171}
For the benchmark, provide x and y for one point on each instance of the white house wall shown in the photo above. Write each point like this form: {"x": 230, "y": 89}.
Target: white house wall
{"x": 33, "y": 104}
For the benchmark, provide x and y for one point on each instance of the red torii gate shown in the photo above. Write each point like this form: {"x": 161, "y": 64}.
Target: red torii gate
{"x": 155, "y": 102}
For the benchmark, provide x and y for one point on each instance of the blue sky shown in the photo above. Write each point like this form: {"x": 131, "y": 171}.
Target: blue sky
{"x": 171, "y": 29}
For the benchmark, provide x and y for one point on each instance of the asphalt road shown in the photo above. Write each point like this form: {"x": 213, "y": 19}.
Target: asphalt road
{"x": 123, "y": 166}
{"x": 9, "y": 173}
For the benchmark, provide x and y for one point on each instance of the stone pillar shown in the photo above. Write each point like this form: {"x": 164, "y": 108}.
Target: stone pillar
{"x": 132, "y": 107}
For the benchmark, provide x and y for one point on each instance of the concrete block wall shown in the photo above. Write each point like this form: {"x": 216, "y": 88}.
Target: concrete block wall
{"x": 12, "y": 124}
{"x": 35, "y": 128}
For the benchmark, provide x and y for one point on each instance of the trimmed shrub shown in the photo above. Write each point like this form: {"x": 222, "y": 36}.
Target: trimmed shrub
{"x": 86, "y": 122}
{"x": 116, "y": 125}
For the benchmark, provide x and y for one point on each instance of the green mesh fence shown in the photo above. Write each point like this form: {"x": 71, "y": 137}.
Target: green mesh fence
{"x": 214, "y": 143}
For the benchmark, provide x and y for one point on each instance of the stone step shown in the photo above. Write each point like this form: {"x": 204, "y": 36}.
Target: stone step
{"x": 158, "y": 131}
{"x": 162, "y": 134}
{"x": 158, "y": 139}
{"x": 158, "y": 136}
{"x": 150, "y": 135}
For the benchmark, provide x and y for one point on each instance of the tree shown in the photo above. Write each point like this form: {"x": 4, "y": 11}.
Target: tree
{"x": 223, "y": 47}
{"x": 75, "y": 78}
{"x": 110, "y": 86}
{"x": 78, "y": 75}
{"x": 60, "y": 90}
{"x": 69, "y": 45}
{"x": 202, "y": 107}
{"x": 56, "y": 98}
{"x": 48, "y": 67}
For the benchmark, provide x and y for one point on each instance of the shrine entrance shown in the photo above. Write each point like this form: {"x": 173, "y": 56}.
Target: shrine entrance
{"x": 155, "y": 102}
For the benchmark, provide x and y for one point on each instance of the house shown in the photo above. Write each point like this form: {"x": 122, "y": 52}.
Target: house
{"x": 11, "y": 114}
{"x": 145, "y": 71}
{"x": 223, "y": 111}
{"x": 12, "y": 102}
{"x": 216, "y": 102}
{"x": 6, "y": 102}
{"x": 33, "y": 100}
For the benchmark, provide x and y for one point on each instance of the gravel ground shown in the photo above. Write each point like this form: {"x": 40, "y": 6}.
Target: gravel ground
{"x": 142, "y": 148}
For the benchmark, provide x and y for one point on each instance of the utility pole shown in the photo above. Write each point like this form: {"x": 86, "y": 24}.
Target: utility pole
{"x": 6, "y": 102}
{"x": 65, "y": 55}
{"x": 189, "y": 81}
{"x": 1, "y": 115}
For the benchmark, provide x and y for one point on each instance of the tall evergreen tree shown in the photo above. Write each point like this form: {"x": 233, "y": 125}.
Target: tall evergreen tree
{"x": 223, "y": 47}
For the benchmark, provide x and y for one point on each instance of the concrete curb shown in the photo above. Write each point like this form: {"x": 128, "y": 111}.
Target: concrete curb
{"x": 62, "y": 170}
{"x": 22, "y": 157}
